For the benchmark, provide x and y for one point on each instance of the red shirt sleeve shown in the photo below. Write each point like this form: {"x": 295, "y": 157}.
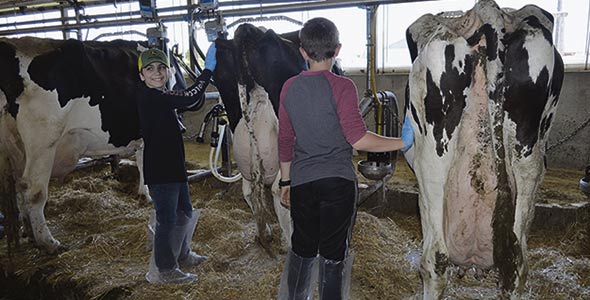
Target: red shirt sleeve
{"x": 286, "y": 133}
{"x": 346, "y": 96}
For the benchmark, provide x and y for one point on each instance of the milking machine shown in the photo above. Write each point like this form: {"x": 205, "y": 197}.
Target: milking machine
{"x": 220, "y": 144}
{"x": 212, "y": 20}
{"x": 157, "y": 36}
{"x": 378, "y": 166}
{"x": 210, "y": 17}
{"x": 216, "y": 27}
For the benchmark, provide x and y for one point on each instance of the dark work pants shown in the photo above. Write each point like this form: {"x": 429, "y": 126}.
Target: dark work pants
{"x": 170, "y": 199}
{"x": 322, "y": 212}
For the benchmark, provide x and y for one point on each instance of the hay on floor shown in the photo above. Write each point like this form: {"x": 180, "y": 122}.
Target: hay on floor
{"x": 97, "y": 214}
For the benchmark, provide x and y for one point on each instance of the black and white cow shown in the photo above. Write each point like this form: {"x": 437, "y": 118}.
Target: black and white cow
{"x": 483, "y": 90}
{"x": 62, "y": 100}
{"x": 250, "y": 72}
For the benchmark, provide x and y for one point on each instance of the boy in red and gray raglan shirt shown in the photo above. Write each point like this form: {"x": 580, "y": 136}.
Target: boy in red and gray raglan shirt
{"x": 319, "y": 125}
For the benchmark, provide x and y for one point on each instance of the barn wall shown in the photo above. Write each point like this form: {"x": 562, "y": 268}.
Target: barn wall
{"x": 572, "y": 112}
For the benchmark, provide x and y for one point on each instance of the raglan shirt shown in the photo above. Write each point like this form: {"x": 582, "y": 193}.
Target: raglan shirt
{"x": 163, "y": 153}
{"x": 319, "y": 120}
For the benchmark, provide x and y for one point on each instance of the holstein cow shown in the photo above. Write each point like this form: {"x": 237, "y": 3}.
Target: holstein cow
{"x": 62, "y": 100}
{"x": 482, "y": 96}
{"x": 250, "y": 73}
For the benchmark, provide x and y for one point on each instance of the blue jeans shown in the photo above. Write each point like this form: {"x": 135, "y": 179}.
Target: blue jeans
{"x": 170, "y": 201}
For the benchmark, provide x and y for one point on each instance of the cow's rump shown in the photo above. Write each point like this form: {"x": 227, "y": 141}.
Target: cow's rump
{"x": 482, "y": 94}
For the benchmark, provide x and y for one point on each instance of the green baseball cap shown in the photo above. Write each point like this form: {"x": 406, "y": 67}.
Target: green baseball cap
{"x": 152, "y": 55}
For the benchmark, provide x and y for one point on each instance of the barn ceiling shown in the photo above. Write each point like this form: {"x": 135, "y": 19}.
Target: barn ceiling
{"x": 69, "y": 22}
{"x": 31, "y": 6}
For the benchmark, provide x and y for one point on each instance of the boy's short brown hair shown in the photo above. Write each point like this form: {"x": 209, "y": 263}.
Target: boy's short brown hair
{"x": 319, "y": 38}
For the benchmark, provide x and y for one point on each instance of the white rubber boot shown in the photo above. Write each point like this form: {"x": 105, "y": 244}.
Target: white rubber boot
{"x": 187, "y": 257}
{"x": 299, "y": 278}
{"x": 176, "y": 240}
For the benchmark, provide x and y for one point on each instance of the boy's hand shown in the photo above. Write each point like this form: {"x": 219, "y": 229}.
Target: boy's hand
{"x": 210, "y": 58}
{"x": 285, "y": 196}
{"x": 407, "y": 134}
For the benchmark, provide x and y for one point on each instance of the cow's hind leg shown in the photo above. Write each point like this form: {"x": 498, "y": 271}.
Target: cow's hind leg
{"x": 33, "y": 187}
{"x": 433, "y": 263}
{"x": 249, "y": 190}
{"x": 515, "y": 273}
{"x": 46, "y": 158}
{"x": 509, "y": 257}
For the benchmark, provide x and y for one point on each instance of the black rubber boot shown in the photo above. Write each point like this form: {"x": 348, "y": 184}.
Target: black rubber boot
{"x": 299, "y": 276}
{"x": 331, "y": 279}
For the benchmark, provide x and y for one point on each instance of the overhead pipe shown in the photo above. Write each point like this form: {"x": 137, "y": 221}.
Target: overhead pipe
{"x": 372, "y": 62}
{"x": 96, "y": 17}
{"x": 22, "y": 9}
{"x": 137, "y": 20}
{"x": 31, "y": 7}
{"x": 587, "y": 48}
{"x": 16, "y": 5}
{"x": 328, "y": 4}
{"x": 186, "y": 8}
{"x": 63, "y": 13}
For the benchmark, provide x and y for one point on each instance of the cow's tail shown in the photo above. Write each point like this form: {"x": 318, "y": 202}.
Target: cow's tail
{"x": 8, "y": 204}
{"x": 259, "y": 201}
{"x": 11, "y": 155}
{"x": 507, "y": 253}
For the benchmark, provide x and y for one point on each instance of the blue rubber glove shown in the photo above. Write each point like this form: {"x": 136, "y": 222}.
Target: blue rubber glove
{"x": 210, "y": 58}
{"x": 407, "y": 134}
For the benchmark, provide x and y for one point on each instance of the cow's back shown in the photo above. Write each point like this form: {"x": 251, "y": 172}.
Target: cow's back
{"x": 75, "y": 96}
{"x": 15, "y": 54}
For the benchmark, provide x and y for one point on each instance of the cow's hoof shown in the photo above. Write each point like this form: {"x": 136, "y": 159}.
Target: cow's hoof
{"x": 480, "y": 274}
{"x": 267, "y": 234}
{"x": 126, "y": 171}
{"x": 58, "y": 250}
{"x": 265, "y": 239}
{"x": 55, "y": 249}
{"x": 62, "y": 248}
{"x": 461, "y": 272}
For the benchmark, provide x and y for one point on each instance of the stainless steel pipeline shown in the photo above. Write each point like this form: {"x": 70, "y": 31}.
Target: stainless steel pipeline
{"x": 179, "y": 14}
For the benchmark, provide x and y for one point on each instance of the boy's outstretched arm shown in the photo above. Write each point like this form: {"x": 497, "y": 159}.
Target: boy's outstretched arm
{"x": 372, "y": 142}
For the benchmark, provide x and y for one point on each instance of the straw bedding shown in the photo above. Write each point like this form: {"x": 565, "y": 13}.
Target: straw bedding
{"x": 98, "y": 216}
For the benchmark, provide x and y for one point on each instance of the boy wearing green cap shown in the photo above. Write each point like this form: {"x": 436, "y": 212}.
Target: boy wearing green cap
{"x": 163, "y": 165}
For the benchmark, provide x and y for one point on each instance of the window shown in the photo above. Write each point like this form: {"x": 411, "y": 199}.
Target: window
{"x": 570, "y": 33}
